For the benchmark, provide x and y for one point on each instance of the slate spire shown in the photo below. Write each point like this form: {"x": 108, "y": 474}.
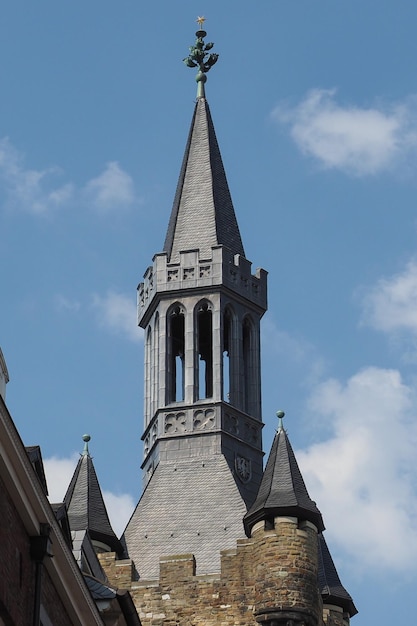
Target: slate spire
{"x": 85, "y": 504}
{"x": 202, "y": 214}
{"x": 282, "y": 491}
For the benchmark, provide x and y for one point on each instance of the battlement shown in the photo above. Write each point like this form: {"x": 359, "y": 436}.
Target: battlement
{"x": 236, "y": 594}
{"x": 224, "y": 268}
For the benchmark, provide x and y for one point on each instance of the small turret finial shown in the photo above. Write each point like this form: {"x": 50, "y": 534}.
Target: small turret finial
{"x": 280, "y": 416}
{"x": 201, "y": 57}
{"x": 86, "y": 439}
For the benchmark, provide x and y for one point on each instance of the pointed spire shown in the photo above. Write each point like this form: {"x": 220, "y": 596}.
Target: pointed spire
{"x": 282, "y": 491}
{"x": 331, "y": 589}
{"x": 202, "y": 214}
{"x": 85, "y": 504}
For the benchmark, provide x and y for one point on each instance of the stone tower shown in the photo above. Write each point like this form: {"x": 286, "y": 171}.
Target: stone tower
{"x": 200, "y": 306}
{"x": 285, "y": 523}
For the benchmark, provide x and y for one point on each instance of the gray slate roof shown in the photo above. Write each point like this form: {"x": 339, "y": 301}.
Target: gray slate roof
{"x": 85, "y": 504}
{"x": 282, "y": 491}
{"x": 202, "y": 214}
{"x": 172, "y": 516}
{"x": 331, "y": 589}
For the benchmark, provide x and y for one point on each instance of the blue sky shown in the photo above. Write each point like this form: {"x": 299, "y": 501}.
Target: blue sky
{"x": 315, "y": 108}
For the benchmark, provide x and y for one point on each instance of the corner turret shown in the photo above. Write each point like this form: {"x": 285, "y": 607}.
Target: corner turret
{"x": 86, "y": 508}
{"x": 282, "y": 491}
{"x": 284, "y": 523}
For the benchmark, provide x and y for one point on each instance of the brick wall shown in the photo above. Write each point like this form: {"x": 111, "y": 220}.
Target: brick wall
{"x": 52, "y": 602}
{"x": 17, "y": 571}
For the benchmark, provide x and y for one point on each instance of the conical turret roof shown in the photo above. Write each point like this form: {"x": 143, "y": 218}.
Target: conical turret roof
{"x": 282, "y": 491}
{"x": 85, "y": 504}
{"x": 331, "y": 589}
{"x": 202, "y": 214}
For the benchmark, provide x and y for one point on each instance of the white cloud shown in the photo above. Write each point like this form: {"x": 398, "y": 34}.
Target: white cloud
{"x": 120, "y": 508}
{"x": 364, "y": 476}
{"x": 112, "y": 190}
{"x": 117, "y": 313}
{"x": 59, "y": 472}
{"x": 356, "y": 140}
{"x": 391, "y": 305}
{"x": 58, "y": 475}
{"x": 26, "y": 189}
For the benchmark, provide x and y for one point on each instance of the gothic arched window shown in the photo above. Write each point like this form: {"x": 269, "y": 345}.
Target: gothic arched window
{"x": 248, "y": 363}
{"x": 228, "y": 355}
{"x": 204, "y": 337}
{"x": 175, "y": 353}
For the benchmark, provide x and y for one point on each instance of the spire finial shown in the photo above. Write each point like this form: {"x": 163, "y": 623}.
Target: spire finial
{"x": 86, "y": 439}
{"x": 280, "y": 416}
{"x": 201, "y": 57}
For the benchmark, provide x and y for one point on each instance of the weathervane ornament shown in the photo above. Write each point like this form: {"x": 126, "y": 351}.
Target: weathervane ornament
{"x": 201, "y": 57}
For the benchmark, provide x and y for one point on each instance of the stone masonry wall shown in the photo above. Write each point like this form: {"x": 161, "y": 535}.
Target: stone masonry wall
{"x": 333, "y": 616}
{"x": 286, "y": 567}
{"x": 275, "y": 568}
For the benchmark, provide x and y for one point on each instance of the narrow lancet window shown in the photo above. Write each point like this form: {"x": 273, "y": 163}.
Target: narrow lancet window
{"x": 227, "y": 356}
{"x": 247, "y": 364}
{"x": 148, "y": 375}
{"x": 155, "y": 368}
{"x": 175, "y": 354}
{"x": 205, "y": 351}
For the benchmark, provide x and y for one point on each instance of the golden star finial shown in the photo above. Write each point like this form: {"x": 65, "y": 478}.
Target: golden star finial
{"x": 200, "y": 21}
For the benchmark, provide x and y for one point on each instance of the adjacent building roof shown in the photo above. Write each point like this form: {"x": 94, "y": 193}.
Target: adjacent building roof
{"x": 202, "y": 214}
{"x": 85, "y": 504}
{"x": 331, "y": 589}
{"x": 35, "y": 457}
{"x": 282, "y": 491}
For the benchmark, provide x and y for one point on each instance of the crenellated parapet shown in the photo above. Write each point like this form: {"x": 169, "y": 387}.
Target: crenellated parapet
{"x": 234, "y": 272}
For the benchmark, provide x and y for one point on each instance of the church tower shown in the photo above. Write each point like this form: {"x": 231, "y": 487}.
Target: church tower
{"x": 200, "y": 306}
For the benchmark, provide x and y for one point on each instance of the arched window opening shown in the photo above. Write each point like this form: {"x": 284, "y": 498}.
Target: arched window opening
{"x": 247, "y": 363}
{"x": 148, "y": 375}
{"x": 155, "y": 366}
{"x": 205, "y": 351}
{"x": 227, "y": 350}
{"x": 175, "y": 369}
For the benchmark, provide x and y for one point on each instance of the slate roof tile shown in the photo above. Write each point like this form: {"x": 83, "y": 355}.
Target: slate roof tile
{"x": 282, "y": 491}
{"x": 202, "y": 214}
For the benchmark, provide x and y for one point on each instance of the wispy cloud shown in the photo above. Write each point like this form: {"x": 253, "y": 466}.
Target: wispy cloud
{"x": 112, "y": 190}
{"x": 63, "y": 303}
{"x": 34, "y": 191}
{"x": 117, "y": 313}
{"x": 59, "y": 472}
{"x": 27, "y": 189}
{"x": 358, "y": 141}
{"x": 391, "y": 305}
{"x": 363, "y": 475}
